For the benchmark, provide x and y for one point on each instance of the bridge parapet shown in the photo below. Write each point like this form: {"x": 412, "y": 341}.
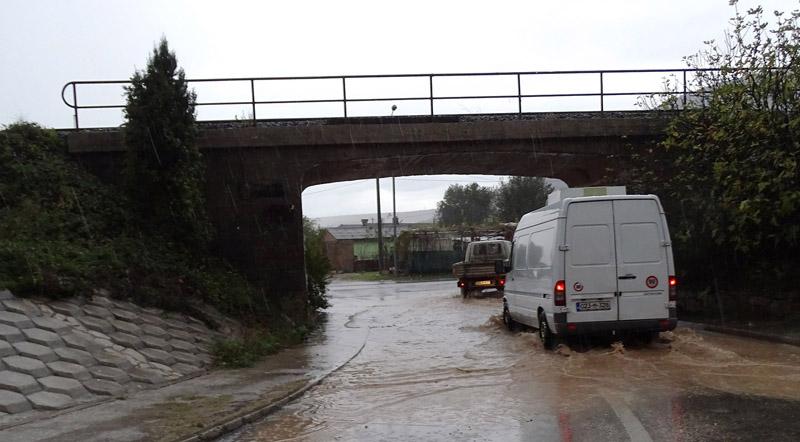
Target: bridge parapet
{"x": 407, "y": 129}
{"x": 354, "y": 96}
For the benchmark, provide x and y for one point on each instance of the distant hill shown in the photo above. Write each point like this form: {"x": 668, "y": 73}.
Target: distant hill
{"x": 411, "y": 217}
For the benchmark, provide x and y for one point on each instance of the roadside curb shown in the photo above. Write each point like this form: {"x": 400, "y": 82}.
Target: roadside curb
{"x": 779, "y": 339}
{"x": 237, "y": 420}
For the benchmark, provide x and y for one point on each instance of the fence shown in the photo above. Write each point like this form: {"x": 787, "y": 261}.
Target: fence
{"x": 593, "y": 84}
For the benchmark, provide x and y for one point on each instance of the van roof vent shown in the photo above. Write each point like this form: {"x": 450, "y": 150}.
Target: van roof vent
{"x": 575, "y": 192}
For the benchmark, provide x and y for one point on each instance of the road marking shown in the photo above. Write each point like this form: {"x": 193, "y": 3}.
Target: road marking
{"x": 634, "y": 428}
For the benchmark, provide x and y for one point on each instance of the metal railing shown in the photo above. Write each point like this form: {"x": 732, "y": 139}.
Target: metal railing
{"x": 430, "y": 97}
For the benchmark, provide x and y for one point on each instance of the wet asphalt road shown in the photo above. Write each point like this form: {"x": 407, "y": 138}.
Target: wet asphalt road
{"x": 436, "y": 367}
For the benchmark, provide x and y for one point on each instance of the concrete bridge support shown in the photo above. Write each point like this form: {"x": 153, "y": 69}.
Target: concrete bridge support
{"x": 257, "y": 210}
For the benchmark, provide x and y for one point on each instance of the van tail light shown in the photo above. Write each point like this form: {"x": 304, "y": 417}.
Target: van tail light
{"x": 461, "y": 283}
{"x": 502, "y": 282}
{"x": 560, "y": 293}
{"x": 673, "y": 288}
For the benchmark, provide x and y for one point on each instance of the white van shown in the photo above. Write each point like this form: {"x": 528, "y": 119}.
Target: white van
{"x": 589, "y": 264}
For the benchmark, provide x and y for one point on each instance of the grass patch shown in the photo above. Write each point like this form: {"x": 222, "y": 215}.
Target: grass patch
{"x": 181, "y": 416}
{"x": 365, "y": 276}
{"x": 378, "y": 276}
{"x": 254, "y": 345}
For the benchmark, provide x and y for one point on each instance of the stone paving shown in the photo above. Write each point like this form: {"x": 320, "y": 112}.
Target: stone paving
{"x": 54, "y": 355}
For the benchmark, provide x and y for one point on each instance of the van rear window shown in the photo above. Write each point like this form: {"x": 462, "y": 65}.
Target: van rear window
{"x": 492, "y": 249}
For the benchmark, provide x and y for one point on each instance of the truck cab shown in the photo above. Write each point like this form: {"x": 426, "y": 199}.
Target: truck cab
{"x": 478, "y": 270}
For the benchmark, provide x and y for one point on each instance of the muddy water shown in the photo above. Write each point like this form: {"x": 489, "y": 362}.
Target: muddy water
{"x": 436, "y": 367}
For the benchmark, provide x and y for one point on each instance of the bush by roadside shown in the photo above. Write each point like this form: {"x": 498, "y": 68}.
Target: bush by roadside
{"x": 318, "y": 268}
{"x": 728, "y": 171}
{"x": 248, "y": 349}
{"x": 63, "y": 233}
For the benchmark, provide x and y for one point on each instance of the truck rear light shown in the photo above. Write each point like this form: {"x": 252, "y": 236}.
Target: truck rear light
{"x": 460, "y": 283}
{"x": 572, "y": 327}
{"x": 502, "y": 282}
{"x": 560, "y": 293}
{"x": 664, "y": 324}
{"x": 673, "y": 288}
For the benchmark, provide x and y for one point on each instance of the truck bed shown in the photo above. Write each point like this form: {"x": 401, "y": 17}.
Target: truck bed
{"x": 473, "y": 270}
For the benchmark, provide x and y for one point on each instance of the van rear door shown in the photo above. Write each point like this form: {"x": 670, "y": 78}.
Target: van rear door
{"x": 642, "y": 262}
{"x": 590, "y": 263}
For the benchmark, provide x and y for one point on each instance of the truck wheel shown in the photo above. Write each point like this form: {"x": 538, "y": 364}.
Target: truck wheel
{"x": 547, "y": 336}
{"x": 510, "y": 323}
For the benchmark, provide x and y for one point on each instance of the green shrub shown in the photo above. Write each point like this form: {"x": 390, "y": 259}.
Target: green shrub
{"x": 318, "y": 268}
{"x": 63, "y": 233}
{"x": 247, "y": 350}
{"x": 728, "y": 171}
{"x": 54, "y": 218}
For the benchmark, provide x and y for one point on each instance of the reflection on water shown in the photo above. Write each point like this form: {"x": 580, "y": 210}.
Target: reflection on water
{"x": 439, "y": 367}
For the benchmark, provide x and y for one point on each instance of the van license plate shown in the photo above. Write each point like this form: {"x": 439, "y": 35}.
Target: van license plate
{"x": 483, "y": 283}
{"x": 588, "y": 306}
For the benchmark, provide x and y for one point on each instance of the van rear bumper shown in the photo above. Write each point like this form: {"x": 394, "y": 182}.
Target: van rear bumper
{"x": 640, "y": 325}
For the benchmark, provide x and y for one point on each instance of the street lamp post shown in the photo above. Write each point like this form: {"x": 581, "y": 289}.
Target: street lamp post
{"x": 380, "y": 225}
{"x": 394, "y": 225}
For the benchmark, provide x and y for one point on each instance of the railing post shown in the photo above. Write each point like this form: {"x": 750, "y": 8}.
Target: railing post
{"x": 430, "y": 91}
{"x": 602, "y": 105}
{"x": 344, "y": 95}
{"x": 253, "y": 99}
{"x": 75, "y": 103}
{"x": 519, "y": 94}
{"x": 684, "y": 88}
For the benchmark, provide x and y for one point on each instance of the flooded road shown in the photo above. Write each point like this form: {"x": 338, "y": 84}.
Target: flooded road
{"x": 436, "y": 367}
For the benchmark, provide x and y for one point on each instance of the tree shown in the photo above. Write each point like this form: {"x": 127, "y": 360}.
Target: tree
{"x": 729, "y": 168}
{"x": 469, "y": 204}
{"x": 164, "y": 168}
{"x": 518, "y": 196}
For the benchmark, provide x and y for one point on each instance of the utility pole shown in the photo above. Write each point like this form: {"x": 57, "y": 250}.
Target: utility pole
{"x": 394, "y": 225}
{"x": 380, "y": 225}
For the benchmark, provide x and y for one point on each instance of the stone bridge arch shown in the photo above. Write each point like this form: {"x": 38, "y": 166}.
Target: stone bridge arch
{"x": 256, "y": 174}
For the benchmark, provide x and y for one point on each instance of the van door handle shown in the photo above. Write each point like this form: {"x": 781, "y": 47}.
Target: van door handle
{"x": 628, "y": 276}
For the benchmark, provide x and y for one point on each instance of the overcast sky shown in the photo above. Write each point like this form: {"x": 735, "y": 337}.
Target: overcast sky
{"x": 47, "y": 43}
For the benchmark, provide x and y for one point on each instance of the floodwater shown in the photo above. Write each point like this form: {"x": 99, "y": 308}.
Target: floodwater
{"x": 436, "y": 367}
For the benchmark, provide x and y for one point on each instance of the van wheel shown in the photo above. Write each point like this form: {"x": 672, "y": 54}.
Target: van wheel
{"x": 547, "y": 336}
{"x": 510, "y": 323}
